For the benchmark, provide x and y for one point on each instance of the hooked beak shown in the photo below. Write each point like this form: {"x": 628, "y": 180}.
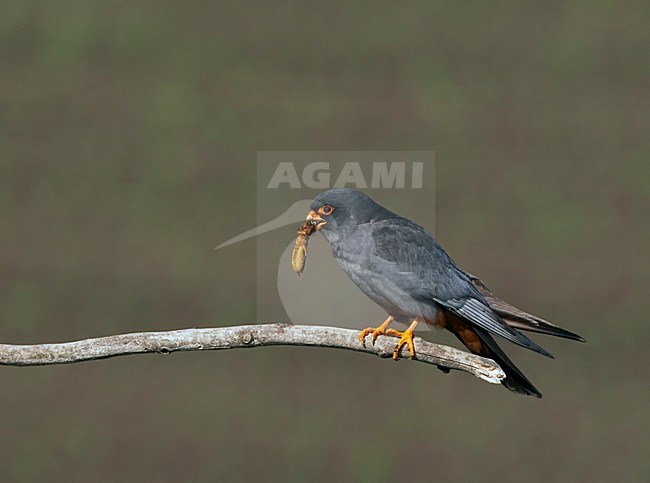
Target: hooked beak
{"x": 316, "y": 220}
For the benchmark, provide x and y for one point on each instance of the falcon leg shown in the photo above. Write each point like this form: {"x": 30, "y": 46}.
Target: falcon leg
{"x": 375, "y": 331}
{"x": 405, "y": 339}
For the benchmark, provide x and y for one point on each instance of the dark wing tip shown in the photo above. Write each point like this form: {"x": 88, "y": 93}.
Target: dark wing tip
{"x": 537, "y": 325}
{"x": 519, "y": 319}
{"x": 529, "y": 344}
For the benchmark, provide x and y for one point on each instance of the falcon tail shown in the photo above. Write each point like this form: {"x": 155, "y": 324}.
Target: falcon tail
{"x": 519, "y": 319}
{"x": 515, "y": 381}
{"x": 479, "y": 342}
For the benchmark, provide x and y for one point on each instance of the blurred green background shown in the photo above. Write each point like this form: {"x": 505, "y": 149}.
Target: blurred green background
{"x": 128, "y": 139}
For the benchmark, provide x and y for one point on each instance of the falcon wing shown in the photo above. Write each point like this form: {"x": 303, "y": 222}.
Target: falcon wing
{"x": 419, "y": 265}
{"x": 480, "y": 314}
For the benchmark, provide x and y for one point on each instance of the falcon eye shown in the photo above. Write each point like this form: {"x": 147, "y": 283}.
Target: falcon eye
{"x": 326, "y": 210}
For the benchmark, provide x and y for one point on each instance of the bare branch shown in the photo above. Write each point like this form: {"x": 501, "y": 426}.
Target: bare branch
{"x": 240, "y": 337}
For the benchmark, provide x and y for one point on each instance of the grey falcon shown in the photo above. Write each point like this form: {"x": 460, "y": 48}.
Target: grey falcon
{"x": 402, "y": 268}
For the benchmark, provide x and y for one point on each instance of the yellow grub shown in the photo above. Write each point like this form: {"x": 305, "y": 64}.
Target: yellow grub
{"x": 299, "y": 253}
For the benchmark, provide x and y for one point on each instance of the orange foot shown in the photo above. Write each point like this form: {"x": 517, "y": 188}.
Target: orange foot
{"x": 375, "y": 331}
{"x": 405, "y": 339}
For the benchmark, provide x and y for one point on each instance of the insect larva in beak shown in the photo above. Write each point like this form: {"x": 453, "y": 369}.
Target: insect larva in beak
{"x": 299, "y": 253}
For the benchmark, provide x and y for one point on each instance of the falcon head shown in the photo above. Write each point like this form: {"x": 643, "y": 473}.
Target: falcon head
{"x": 341, "y": 210}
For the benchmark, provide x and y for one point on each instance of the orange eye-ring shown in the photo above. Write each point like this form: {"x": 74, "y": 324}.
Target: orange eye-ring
{"x": 325, "y": 210}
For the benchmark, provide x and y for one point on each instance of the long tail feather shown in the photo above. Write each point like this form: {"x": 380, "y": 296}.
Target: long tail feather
{"x": 480, "y": 342}
{"x": 515, "y": 380}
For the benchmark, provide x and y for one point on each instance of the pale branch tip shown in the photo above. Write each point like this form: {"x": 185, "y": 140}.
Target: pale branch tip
{"x": 242, "y": 336}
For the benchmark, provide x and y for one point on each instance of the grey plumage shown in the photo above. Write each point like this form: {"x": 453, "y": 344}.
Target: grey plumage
{"x": 402, "y": 268}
